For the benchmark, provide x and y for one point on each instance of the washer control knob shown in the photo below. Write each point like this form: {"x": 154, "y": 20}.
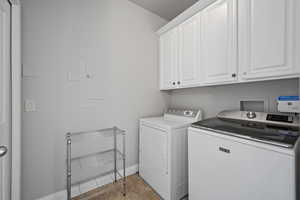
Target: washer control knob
{"x": 251, "y": 115}
{"x": 188, "y": 113}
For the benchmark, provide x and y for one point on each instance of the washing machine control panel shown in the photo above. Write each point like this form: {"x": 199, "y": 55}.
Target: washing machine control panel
{"x": 183, "y": 112}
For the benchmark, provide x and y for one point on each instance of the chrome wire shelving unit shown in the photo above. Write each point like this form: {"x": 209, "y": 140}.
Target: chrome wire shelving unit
{"x": 95, "y": 154}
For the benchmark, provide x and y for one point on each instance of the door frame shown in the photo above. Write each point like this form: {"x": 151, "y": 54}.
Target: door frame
{"x": 16, "y": 99}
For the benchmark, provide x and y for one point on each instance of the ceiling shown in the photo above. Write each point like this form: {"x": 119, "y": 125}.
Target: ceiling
{"x": 167, "y": 9}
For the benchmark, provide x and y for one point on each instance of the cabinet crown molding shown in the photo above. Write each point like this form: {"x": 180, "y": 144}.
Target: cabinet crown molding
{"x": 200, "y": 5}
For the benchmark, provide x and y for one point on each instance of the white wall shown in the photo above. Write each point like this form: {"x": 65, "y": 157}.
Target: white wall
{"x": 214, "y": 99}
{"x": 115, "y": 42}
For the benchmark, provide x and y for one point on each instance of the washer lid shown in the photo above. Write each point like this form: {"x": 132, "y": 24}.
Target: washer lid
{"x": 261, "y": 132}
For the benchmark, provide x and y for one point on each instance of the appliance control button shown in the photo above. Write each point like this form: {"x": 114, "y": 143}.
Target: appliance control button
{"x": 251, "y": 115}
{"x": 290, "y": 119}
{"x": 188, "y": 113}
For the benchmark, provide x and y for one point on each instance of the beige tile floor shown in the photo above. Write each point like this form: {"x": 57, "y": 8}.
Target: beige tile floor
{"x": 137, "y": 189}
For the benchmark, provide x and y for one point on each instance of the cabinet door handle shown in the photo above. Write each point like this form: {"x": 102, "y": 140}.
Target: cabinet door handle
{"x": 3, "y": 151}
{"x": 233, "y": 75}
{"x": 178, "y": 82}
{"x": 174, "y": 83}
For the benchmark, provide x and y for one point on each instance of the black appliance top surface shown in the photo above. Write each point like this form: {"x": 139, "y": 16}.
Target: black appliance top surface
{"x": 278, "y": 135}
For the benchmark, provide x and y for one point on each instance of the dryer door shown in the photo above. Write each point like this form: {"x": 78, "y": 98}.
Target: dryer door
{"x": 154, "y": 159}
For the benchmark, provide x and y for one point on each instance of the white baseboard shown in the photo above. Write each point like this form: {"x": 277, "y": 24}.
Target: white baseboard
{"x": 62, "y": 195}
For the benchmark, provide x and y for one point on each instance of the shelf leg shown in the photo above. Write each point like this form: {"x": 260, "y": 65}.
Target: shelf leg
{"x": 115, "y": 154}
{"x": 69, "y": 142}
{"x": 124, "y": 165}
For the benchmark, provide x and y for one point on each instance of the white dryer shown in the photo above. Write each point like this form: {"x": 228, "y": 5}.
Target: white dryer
{"x": 163, "y": 152}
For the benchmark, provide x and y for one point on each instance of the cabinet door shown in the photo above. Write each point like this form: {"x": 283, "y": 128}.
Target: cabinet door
{"x": 219, "y": 42}
{"x": 154, "y": 159}
{"x": 225, "y": 169}
{"x": 266, "y": 40}
{"x": 189, "y": 52}
{"x": 169, "y": 59}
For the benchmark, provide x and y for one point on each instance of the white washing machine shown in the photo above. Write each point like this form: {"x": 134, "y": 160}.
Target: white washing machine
{"x": 163, "y": 156}
{"x": 243, "y": 155}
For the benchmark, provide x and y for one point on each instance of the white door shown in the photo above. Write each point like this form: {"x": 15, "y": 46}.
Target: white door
{"x": 169, "y": 59}
{"x": 219, "y": 42}
{"x": 223, "y": 169}
{"x": 5, "y": 100}
{"x": 266, "y": 40}
{"x": 154, "y": 159}
{"x": 189, "y": 52}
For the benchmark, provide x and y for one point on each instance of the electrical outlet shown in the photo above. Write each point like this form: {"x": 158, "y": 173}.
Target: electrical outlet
{"x": 29, "y": 105}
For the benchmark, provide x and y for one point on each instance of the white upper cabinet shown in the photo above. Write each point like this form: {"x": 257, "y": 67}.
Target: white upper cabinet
{"x": 219, "y": 42}
{"x": 266, "y": 38}
{"x": 189, "y": 52}
{"x": 230, "y": 41}
{"x": 169, "y": 59}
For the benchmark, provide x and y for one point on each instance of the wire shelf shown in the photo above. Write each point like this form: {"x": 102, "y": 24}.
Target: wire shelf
{"x": 94, "y": 154}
